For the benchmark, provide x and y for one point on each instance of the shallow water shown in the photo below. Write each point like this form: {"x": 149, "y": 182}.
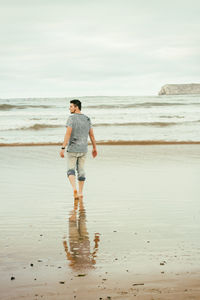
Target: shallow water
{"x": 141, "y": 208}
{"x": 130, "y": 118}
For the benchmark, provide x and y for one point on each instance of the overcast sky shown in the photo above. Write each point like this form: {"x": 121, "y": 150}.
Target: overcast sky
{"x": 60, "y": 48}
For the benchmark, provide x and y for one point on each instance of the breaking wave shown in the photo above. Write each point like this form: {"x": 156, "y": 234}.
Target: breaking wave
{"x": 157, "y": 124}
{"x": 12, "y": 106}
{"x": 35, "y": 127}
{"x": 144, "y": 104}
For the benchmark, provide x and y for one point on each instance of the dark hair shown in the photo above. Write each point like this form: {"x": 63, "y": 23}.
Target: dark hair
{"x": 76, "y": 102}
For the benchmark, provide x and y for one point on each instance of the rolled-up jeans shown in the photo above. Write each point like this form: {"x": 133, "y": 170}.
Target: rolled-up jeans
{"x": 76, "y": 162}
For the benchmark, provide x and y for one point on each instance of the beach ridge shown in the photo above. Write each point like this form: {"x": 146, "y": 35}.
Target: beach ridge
{"x": 119, "y": 142}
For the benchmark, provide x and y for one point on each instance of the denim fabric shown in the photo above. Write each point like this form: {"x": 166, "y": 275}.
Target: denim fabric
{"x": 75, "y": 162}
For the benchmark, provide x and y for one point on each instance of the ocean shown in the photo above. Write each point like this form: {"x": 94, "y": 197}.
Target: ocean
{"x": 114, "y": 118}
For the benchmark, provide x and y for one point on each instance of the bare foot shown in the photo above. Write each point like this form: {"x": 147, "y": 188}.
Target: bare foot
{"x": 75, "y": 194}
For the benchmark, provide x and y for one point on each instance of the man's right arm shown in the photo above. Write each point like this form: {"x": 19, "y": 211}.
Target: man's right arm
{"x": 92, "y": 138}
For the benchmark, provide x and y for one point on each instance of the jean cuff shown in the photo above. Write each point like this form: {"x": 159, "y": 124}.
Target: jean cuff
{"x": 81, "y": 178}
{"x": 70, "y": 172}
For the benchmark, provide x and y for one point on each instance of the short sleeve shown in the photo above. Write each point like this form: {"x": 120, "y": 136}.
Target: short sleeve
{"x": 69, "y": 122}
{"x": 90, "y": 123}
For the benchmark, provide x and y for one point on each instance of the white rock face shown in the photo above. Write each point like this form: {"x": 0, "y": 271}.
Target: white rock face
{"x": 180, "y": 89}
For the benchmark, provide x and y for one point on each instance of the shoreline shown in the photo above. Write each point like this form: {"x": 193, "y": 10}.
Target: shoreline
{"x": 109, "y": 143}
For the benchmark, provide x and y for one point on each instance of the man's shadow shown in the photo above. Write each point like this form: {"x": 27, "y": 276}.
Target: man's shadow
{"x": 78, "y": 250}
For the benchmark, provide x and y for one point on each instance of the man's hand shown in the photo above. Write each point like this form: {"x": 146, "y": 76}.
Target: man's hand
{"x": 62, "y": 152}
{"x": 66, "y": 140}
{"x": 94, "y": 153}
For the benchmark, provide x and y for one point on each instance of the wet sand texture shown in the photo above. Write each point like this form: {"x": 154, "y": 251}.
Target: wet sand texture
{"x": 135, "y": 234}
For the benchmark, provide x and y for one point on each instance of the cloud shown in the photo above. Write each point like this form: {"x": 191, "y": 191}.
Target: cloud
{"x": 83, "y": 47}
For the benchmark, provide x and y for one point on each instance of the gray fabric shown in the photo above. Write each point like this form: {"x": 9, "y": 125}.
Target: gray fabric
{"x": 81, "y": 125}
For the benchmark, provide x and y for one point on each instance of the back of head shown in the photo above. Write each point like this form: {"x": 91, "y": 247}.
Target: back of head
{"x": 76, "y": 102}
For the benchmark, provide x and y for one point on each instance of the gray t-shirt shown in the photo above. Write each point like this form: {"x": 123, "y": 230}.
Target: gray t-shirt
{"x": 81, "y": 125}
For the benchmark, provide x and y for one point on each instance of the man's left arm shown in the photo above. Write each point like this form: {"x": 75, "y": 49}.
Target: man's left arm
{"x": 66, "y": 140}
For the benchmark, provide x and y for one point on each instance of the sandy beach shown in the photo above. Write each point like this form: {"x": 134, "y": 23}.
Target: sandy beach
{"x": 135, "y": 235}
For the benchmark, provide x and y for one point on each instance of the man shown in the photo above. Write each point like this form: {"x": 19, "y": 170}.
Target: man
{"x": 76, "y": 137}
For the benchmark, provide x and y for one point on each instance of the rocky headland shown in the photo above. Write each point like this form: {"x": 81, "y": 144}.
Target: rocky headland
{"x": 180, "y": 89}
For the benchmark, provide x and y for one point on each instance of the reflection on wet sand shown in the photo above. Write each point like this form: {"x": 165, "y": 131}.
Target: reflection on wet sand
{"x": 78, "y": 252}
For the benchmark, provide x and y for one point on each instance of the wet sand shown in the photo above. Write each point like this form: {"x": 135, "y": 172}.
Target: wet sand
{"x": 135, "y": 235}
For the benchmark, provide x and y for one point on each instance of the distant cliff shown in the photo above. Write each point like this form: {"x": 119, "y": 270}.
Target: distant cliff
{"x": 180, "y": 89}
